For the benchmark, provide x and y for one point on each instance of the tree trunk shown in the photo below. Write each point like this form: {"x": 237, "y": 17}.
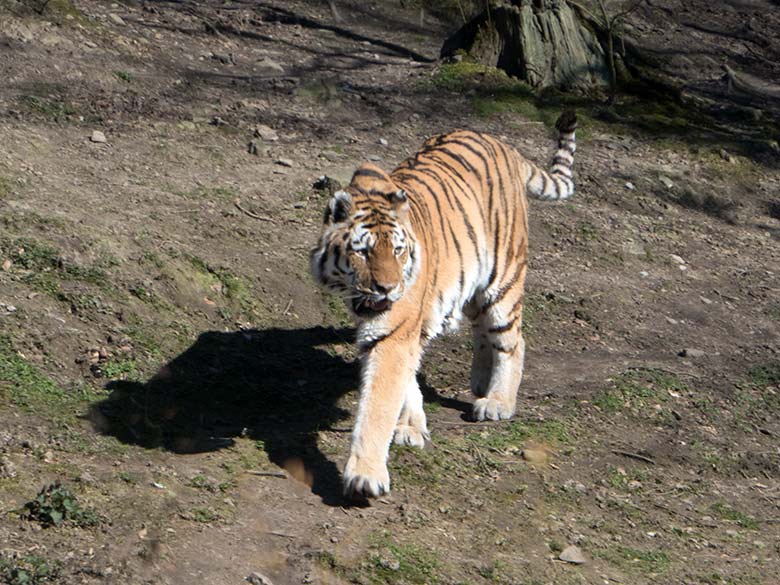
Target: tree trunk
{"x": 542, "y": 42}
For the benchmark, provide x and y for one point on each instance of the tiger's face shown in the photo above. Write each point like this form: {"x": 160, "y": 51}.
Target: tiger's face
{"x": 367, "y": 251}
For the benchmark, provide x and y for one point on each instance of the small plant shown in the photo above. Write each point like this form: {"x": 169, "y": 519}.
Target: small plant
{"x": 727, "y": 512}
{"x": 28, "y": 570}
{"x": 123, "y": 76}
{"x": 54, "y": 505}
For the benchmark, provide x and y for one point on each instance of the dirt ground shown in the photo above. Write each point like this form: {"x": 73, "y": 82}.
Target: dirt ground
{"x": 165, "y": 356}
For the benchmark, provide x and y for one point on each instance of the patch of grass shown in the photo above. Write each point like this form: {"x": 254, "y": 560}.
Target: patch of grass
{"x": 6, "y": 187}
{"x": 392, "y": 562}
{"x": 238, "y": 292}
{"x": 727, "y": 512}
{"x": 336, "y": 309}
{"x": 124, "y": 76}
{"x": 203, "y": 515}
{"x": 641, "y": 561}
{"x": 619, "y": 478}
{"x": 123, "y": 369}
{"x": 55, "y": 505}
{"x": 516, "y": 433}
{"x": 635, "y": 389}
{"x": 28, "y": 570}
{"x": 23, "y": 384}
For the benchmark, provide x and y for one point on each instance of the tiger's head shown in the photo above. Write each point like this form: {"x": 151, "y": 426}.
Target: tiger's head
{"x": 367, "y": 251}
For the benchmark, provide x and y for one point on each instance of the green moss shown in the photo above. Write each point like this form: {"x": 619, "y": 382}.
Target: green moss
{"x": 517, "y": 433}
{"x": 640, "y": 561}
{"x": 393, "y": 562}
{"x": 22, "y": 383}
{"x": 727, "y": 512}
{"x": 635, "y": 389}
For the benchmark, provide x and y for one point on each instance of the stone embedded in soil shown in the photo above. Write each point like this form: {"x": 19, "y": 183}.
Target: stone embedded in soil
{"x": 630, "y": 186}
{"x": 266, "y": 133}
{"x": 676, "y": 259}
{"x": 256, "y": 578}
{"x": 536, "y": 456}
{"x": 116, "y": 19}
{"x": 98, "y": 136}
{"x": 572, "y": 554}
{"x": 7, "y": 469}
{"x": 692, "y": 353}
{"x": 270, "y": 64}
{"x": 666, "y": 181}
{"x": 285, "y": 162}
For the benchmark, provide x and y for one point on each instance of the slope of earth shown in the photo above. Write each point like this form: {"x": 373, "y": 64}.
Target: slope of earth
{"x": 165, "y": 357}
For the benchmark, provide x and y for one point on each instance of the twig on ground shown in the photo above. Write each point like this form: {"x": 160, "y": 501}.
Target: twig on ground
{"x": 282, "y": 534}
{"x": 288, "y": 307}
{"x": 244, "y": 210}
{"x": 267, "y": 473}
{"x": 634, "y": 456}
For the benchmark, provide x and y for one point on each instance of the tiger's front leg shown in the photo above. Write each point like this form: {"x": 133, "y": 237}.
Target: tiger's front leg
{"x": 388, "y": 371}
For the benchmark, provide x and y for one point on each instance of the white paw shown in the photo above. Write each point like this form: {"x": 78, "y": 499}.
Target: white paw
{"x": 364, "y": 479}
{"x": 411, "y": 436}
{"x": 491, "y": 409}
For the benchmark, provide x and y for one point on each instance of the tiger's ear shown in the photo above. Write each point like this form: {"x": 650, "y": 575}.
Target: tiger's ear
{"x": 338, "y": 207}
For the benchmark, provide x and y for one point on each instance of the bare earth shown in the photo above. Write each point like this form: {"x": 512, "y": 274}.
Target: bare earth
{"x": 165, "y": 355}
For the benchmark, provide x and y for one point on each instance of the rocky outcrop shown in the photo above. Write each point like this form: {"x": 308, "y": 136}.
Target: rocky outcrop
{"x": 542, "y": 42}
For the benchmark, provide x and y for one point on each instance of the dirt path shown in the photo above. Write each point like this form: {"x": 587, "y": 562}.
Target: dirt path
{"x": 164, "y": 354}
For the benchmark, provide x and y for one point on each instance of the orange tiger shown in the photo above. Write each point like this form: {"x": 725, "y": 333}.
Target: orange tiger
{"x": 445, "y": 234}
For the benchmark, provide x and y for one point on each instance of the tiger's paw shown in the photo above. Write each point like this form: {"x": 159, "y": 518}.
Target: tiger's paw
{"x": 364, "y": 480}
{"x": 491, "y": 409}
{"x": 411, "y": 436}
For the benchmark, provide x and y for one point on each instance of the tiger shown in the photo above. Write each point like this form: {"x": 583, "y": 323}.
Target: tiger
{"x": 412, "y": 251}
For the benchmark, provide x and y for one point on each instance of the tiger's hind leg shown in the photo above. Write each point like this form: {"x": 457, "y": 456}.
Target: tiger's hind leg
{"x": 502, "y": 322}
{"x": 412, "y": 429}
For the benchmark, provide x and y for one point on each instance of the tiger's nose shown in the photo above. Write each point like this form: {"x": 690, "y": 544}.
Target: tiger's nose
{"x": 382, "y": 287}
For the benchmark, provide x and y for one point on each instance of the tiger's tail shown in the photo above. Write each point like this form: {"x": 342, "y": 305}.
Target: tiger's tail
{"x": 558, "y": 183}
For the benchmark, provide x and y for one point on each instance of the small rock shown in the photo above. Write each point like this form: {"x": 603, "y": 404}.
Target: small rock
{"x": 256, "y": 578}
{"x": 383, "y": 142}
{"x": 116, "y": 19}
{"x": 572, "y": 554}
{"x": 252, "y": 147}
{"x": 270, "y": 64}
{"x": 90, "y": 44}
{"x": 98, "y": 136}
{"x": 726, "y": 156}
{"x": 630, "y": 186}
{"x": 374, "y": 157}
{"x": 536, "y": 455}
{"x": 6, "y": 265}
{"x": 644, "y": 273}
{"x": 705, "y": 300}
{"x": 7, "y": 469}
{"x": 266, "y": 133}
{"x": 217, "y": 121}
{"x": 676, "y": 259}
{"x": 692, "y": 353}
{"x": 327, "y": 184}
{"x": 222, "y": 58}
{"x": 330, "y": 155}
{"x": 666, "y": 181}
{"x": 285, "y": 162}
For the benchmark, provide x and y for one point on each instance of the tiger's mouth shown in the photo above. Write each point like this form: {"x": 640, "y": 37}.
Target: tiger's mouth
{"x": 364, "y": 307}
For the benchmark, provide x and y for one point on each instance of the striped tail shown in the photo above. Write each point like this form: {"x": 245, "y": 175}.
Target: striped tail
{"x": 558, "y": 183}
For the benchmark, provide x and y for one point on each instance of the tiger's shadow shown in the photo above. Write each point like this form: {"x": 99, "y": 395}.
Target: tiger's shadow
{"x": 278, "y": 386}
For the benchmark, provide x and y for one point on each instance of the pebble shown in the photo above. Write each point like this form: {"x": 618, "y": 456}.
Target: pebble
{"x": 726, "y": 156}
{"x": 266, "y": 133}
{"x": 6, "y": 265}
{"x": 630, "y": 186}
{"x": 252, "y": 147}
{"x": 116, "y": 19}
{"x": 692, "y": 353}
{"x": 667, "y": 182}
{"x": 7, "y": 468}
{"x": 374, "y": 157}
{"x": 572, "y": 554}
{"x": 98, "y": 136}
{"x": 644, "y": 273}
{"x": 270, "y": 64}
{"x": 330, "y": 155}
{"x": 256, "y": 578}
{"x": 705, "y": 300}
{"x": 285, "y": 162}
{"x": 536, "y": 456}
{"x": 677, "y": 259}
{"x": 383, "y": 142}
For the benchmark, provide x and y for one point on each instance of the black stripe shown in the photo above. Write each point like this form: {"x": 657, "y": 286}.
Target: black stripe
{"x": 502, "y": 349}
{"x": 504, "y": 289}
{"x": 504, "y": 327}
{"x": 368, "y": 173}
{"x": 366, "y": 347}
